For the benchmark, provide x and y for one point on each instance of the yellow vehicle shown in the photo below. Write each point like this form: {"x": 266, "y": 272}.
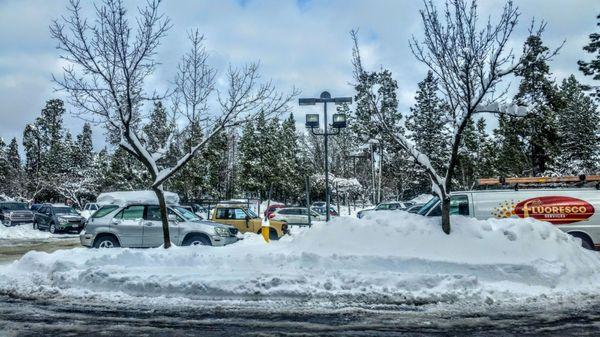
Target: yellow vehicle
{"x": 245, "y": 220}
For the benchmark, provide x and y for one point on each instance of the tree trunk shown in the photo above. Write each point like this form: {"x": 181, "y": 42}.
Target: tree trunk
{"x": 446, "y": 213}
{"x": 163, "y": 215}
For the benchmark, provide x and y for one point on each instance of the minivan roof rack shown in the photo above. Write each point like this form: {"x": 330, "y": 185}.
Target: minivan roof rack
{"x": 579, "y": 180}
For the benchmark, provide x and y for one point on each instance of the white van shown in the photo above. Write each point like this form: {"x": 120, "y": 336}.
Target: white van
{"x": 572, "y": 210}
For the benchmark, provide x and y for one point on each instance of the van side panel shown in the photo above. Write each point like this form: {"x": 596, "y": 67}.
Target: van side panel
{"x": 579, "y": 212}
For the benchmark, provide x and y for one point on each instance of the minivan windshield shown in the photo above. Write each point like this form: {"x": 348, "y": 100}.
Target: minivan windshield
{"x": 425, "y": 209}
{"x": 13, "y": 206}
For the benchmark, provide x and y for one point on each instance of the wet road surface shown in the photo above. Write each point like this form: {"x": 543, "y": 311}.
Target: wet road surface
{"x": 13, "y": 249}
{"x": 29, "y": 317}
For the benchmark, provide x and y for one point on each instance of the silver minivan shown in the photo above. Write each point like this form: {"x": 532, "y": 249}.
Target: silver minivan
{"x": 139, "y": 225}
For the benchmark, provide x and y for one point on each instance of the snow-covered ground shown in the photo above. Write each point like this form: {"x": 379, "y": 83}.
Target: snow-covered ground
{"x": 26, "y": 232}
{"x": 387, "y": 259}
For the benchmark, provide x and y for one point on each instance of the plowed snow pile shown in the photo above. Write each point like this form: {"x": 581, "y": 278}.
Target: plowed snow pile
{"x": 22, "y": 232}
{"x": 387, "y": 258}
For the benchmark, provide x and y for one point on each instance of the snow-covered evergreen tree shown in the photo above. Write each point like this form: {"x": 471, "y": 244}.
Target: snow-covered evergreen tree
{"x": 592, "y": 68}
{"x": 429, "y": 123}
{"x": 578, "y": 121}
{"x": 539, "y": 94}
{"x": 14, "y": 181}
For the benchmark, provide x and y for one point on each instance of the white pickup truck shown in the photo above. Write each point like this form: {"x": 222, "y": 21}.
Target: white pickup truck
{"x": 572, "y": 210}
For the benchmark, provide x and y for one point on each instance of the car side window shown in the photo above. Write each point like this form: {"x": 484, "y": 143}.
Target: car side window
{"x": 131, "y": 213}
{"x": 240, "y": 214}
{"x": 42, "y": 210}
{"x": 93, "y": 207}
{"x": 152, "y": 213}
{"x": 225, "y": 213}
{"x": 459, "y": 204}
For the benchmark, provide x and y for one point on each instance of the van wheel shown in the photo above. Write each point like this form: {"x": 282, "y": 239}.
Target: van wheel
{"x": 52, "y": 229}
{"x": 585, "y": 241}
{"x": 106, "y": 241}
{"x": 196, "y": 240}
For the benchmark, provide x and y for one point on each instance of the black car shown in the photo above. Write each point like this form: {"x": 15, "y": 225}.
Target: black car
{"x": 15, "y": 213}
{"x": 58, "y": 218}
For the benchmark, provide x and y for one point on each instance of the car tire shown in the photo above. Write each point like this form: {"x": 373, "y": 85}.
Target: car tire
{"x": 106, "y": 241}
{"x": 196, "y": 240}
{"x": 35, "y": 226}
{"x": 52, "y": 229}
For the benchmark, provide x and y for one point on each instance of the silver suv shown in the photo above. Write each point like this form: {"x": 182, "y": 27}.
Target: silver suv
{"x": 139, "y": 225}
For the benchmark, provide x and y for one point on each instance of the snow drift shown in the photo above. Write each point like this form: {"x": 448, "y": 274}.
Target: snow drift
{"x": 124, "y": 197}
{"x": 389, "y": 258}
{"x": 25, "y": 231}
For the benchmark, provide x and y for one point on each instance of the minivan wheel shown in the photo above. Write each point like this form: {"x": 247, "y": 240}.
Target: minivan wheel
{"x": 106, "y": 242}
{"x": 196, "y": 240}
{"x": 52, "y": 229}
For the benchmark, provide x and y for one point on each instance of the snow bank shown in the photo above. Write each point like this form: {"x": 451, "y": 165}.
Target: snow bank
{"x": 121, "y": 198}
{"x": 22, "y": 232}
{"x": 394, "y": 258}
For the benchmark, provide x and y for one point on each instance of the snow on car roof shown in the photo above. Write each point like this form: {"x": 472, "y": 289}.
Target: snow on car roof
{"x": 129, "y": 197}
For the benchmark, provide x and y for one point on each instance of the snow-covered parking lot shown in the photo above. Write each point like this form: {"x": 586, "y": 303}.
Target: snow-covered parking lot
{"x": 384, "y": 260}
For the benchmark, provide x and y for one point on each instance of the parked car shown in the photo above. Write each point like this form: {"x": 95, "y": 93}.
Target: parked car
{"x": 414, "y": 208}
{"x": 58, "y": 218}
{"x": 319, "y": 204}
{"x": 244, "y": 219}
{"x": 35, "y": 207}
{"x": 200, "y": 211}
{"x": 295, "y": 216}
{"x": 89, "y": 209}
{"x": 138, "y": 225}
{"x": 386, "y": 206}
{"x": 15, "y": 213}
{"x": 321, "y": 210}
{"x": 572, "y": 210}
{"x": 272, "y": 209}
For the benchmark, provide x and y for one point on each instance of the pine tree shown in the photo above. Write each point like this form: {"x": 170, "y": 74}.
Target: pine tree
{"x": 578, "y": 121}
{"x": 429, "y": 123}
{"x": 592, "y": 68}
{"x": 538, "y": 92}
{"x": 4, "y": 168}
{"x": 512, "y": 159}
{"x": 289, "y": 168}
{"x": 33, "y": 158}
{"x": 85, "y": 148}
{"x": 15, "y": 170}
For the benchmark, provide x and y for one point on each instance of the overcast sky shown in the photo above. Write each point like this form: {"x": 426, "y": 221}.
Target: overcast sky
{"x": 302, "y": 43}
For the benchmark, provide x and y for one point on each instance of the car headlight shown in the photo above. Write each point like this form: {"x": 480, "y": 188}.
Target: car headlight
{"x": 222, "y": 231}
{"x": 63, "y": 221}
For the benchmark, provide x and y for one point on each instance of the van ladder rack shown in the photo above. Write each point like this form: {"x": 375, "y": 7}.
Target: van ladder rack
{"x": 517, "y": 181}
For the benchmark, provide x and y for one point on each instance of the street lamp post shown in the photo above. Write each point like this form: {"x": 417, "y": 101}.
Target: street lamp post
{"x": 312, "y": 122}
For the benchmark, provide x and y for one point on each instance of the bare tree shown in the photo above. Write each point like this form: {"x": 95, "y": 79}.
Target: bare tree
{"x": 109, "y": 59}
{"x": 470, "y": 62}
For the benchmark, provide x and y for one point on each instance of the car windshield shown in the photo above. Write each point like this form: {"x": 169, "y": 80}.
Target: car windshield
{"x": 104, "y": 210}
{"x": 425, "y": 209}
{"x": 64, "y": 210}
{"x": 251, "y": 213}
{"x": 13, "y": 206}
{"x": 187, "y": 214}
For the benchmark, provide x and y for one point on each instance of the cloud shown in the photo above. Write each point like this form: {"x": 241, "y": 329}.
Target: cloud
{"x": 305, "y": 44}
